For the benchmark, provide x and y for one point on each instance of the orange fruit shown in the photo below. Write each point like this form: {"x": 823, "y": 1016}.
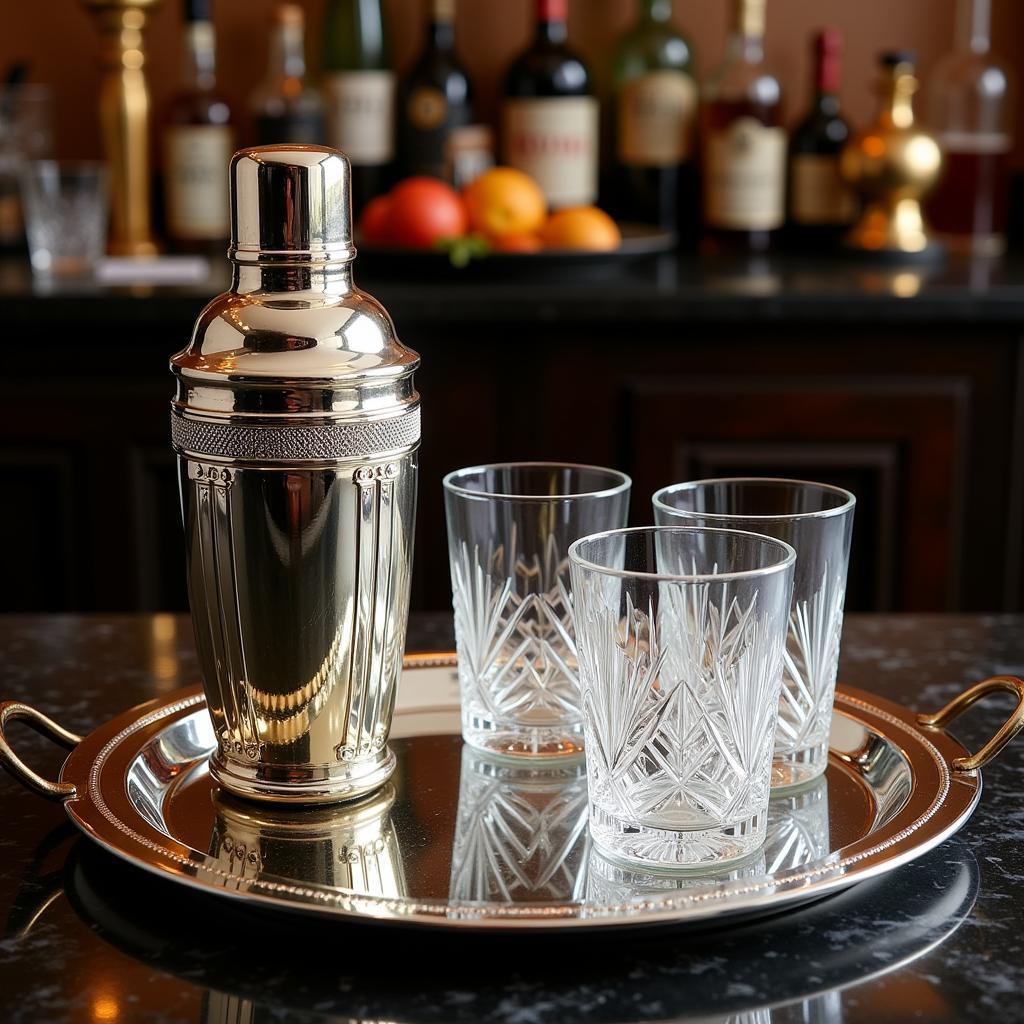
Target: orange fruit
{"x": 503, "y": 201}
{"x": 581, "y": 227}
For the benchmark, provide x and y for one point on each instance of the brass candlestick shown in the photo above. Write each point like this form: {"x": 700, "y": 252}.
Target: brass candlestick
{"x": 893, "y": 165}
{"x": 124, "y": 122}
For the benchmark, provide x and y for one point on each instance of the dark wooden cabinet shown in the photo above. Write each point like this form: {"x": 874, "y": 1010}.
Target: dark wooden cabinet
{"x": 921, "y": 416}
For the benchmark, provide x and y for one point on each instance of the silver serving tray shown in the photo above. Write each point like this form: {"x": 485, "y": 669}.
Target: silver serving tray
{"x": 461, "y": 841}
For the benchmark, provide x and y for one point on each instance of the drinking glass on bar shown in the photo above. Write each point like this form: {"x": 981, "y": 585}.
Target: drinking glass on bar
{"x": 681, "y": 634}
{"x": 26, "y": 133}
{"x": 817, "y": 520}
{"x": 65, "y": 206}
{"x": 509, "y": 530}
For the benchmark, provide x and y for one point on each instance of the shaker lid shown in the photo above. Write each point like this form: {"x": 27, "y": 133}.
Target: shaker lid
{"x": 290, "y": 202}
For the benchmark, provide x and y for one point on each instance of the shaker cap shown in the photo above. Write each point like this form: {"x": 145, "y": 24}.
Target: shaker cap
{"x": 290, "y": 203}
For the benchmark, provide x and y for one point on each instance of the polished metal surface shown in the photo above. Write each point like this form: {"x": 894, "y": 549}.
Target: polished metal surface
{"x": 296, "y": 424}
{"x": 124, "y": 117}
{"x": 458, "y": 840}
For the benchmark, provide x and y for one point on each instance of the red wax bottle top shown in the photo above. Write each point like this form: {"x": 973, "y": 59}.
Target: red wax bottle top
{"x": 552, "y": 10}
{"x": 828, "y": 52}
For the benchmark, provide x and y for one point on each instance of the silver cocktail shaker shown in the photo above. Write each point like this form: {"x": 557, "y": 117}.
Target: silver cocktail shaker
{"x": 297, "y": 425}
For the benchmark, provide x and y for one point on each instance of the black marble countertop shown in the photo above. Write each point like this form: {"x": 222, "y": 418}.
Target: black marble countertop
{"x": 681, "y": 288}
{"x": 84, "y": 937}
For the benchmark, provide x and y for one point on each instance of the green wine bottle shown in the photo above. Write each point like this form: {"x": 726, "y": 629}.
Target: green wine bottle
{"x": 655, "y": 119}
{"x": 359, "y": 85}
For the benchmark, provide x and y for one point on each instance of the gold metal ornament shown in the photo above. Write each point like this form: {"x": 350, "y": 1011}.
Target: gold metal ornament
{"x": 124, "y": 122}
{"x": 893, "y": 165}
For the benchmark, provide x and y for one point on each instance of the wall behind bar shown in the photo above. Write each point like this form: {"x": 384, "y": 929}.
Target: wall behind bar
{"x": 60, "y": 41}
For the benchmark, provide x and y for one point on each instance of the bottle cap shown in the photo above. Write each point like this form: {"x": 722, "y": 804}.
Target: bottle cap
{"x": 290, "y": 203}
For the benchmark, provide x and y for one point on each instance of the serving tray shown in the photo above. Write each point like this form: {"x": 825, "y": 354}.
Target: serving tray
{"x": 458, "y": 840}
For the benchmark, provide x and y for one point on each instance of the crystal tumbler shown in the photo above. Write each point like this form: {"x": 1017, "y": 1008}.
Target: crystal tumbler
{"x": 680, "y": 634}
{"x": 509, "y": 530}
{"x": 817, "y": 520}
{"x": 65, "y": 208}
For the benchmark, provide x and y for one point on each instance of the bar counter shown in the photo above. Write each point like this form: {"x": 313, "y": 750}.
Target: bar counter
{"x": 88, "y": 938}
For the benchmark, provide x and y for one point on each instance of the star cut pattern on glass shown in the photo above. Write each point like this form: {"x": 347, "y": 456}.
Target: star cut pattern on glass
{"x": 810, "y": 663}
{"x": 517, "y": 655}
{"x": 680, "y": 705}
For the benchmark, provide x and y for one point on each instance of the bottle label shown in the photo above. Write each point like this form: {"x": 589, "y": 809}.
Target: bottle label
{"x": 820, "y": 196}
{"x": 196, "y": 161}
{"x": 427, "y": 109}
{"x": 745, "y": 180}
{"x": 361, "y": 115}
{"x": 656, "y": 119}
{"x": 554, "y": 140}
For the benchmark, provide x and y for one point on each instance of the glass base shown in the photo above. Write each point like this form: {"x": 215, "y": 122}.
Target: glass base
{"x": 798, "y": 767}
{"x": 661, "y": 849}
{"x": 548, "y": 741}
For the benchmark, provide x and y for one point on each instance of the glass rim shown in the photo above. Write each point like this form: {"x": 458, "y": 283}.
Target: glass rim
{"x": 624, "y": 483}
{"x": 658, "y": 499}
{"x": 577, "y": 559}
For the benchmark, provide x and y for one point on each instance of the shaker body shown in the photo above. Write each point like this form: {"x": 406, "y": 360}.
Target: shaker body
{"x": 298, "y": 580}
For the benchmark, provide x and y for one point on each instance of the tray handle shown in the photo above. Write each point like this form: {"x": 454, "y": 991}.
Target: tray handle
{"x": 959, "y": 704}
{"x": 11, "y": 710}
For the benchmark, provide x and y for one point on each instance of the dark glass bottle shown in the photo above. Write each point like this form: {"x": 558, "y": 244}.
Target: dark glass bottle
{"x": 198, "y": 139}
{"x": 434, "y": 99}
{"x": 970, "y": 110}
{"x": 286, "y": 108}
{"x": 360, "y": 89}
{"x": 549, "y": 113}
{"x": 743, "y": 141}
{"x": 821, "y": 205}
{"x": 655, "y": 120}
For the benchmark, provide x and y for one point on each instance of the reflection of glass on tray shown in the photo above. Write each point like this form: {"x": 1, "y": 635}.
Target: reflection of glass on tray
{"x": 797, "y": 827}
{"x": 610, "y": 883}
{"x": 520, "y": 832}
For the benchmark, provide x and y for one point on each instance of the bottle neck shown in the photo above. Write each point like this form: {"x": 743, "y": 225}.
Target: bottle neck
{"x": 827, "y": 73}
{"x": 746, "y": 41}
{"x": 974, "y": 25}
{"x": 898, "y": 98}
{"x": 330, "y": 278}
{"x": 288, "y": 52}
{"x": 656, "y": 10}
{"x": 552, "y": 21}
{"x": 199, "y": 66}
{"x": 441, "y": 34}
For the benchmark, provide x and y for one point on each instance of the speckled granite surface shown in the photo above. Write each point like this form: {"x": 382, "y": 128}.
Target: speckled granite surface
{"x": 84, "y": 938}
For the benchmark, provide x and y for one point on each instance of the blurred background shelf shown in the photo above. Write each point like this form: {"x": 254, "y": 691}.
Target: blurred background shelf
{"x": 904, "y": 387}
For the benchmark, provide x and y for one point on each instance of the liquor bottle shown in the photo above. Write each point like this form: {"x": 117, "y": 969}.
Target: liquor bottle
{"x": 549, "y": 114}
{"x": 655, "y": 118}
{"x": 821, "y": 205}
{"x": 360, "y": 90}
{"x": 286, "y": 108}
{"x": 743, "y": 141}
{"x": 969, "y": 111}
{"x": 198, "y": 141}
{"x": 434, "y": 99}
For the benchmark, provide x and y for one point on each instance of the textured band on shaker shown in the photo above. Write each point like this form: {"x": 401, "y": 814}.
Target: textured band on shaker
{"x": 291, "y": 442}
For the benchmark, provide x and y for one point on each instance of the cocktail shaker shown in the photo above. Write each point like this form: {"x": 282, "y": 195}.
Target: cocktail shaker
{"x": 296, "y": 424}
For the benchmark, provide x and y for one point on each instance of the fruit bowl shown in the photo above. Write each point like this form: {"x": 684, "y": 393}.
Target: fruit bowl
{"x": 639, "y": 241}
